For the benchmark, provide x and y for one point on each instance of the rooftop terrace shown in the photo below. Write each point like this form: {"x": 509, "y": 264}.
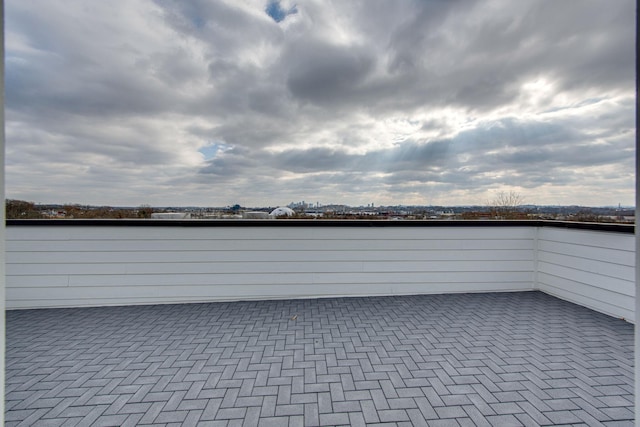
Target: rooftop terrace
{"x": 335, "y": 323}
{"x": 500, "y": 359}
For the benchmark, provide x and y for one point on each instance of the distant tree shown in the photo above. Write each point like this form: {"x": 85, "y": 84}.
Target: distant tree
{"x": 145, "y": 211}
{"x": 475, "y": 215}
{"x": 20, "y": 209}
{"x": 505, "y": 205}
{"x": 73, "y": 211}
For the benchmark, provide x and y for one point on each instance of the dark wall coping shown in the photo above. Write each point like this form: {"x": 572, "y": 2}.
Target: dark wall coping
{"x": 619, "y": 228}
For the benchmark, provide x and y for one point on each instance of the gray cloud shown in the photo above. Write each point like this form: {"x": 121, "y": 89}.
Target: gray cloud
{"x": 319, "y": 72}
{"x": 410, "y": 102}
{"x": 230, "y": 164}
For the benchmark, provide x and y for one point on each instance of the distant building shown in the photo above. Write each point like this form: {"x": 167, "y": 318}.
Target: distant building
{"x": 171, "y": 215}
{"x": 282, "y": 211}
{"x": 255, "y": 215}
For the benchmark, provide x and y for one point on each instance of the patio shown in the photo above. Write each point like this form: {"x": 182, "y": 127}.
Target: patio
{"x": 499, "y": 359}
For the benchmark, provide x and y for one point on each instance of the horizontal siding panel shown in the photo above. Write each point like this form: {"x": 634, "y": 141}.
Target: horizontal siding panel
{"x": 24, "y": 297}
{"x": 623, "y": 300}
{"x": 160, "y": 245}
{"x": 114, "y": 282}
{"x": 39, "y": 302}
{"x": 268, "y": 279}
{"x": 603, "y": 306}
{"x": 593, "y": 266}
{"x": 182, "y": 268}
{"x": 272, "y": 291}
{"x": 601, "y": 239}
{"x": 614, "y": 256}
{"x": 43, "y": 233}
{"x": 187, "y": 256}
{"x": 448, "y": 266}
{"x": 587, "y": 278}
{"x": 265, "y": 267}
{"x": 37, "y": 234}
{"x": 31, "y": 281}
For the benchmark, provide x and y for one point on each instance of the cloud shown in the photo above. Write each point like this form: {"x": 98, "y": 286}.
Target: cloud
{"x": 349, "y": 102}
{"x": 320, "y": 72}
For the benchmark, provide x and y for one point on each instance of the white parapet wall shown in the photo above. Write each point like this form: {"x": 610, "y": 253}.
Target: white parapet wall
{"x": 591, "y": 268}
{"x": 89, "y": 265}
{"x": 176, "y": 262}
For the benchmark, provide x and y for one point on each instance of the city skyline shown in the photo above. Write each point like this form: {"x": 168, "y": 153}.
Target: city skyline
{"x": 192, "y": 103}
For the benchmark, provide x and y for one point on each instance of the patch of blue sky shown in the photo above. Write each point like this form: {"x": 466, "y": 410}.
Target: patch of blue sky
{"x": 277, "y": 13}
{"x": 211, "y": 151}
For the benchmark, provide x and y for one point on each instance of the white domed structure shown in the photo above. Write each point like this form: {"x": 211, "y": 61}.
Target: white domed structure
{"x": 282, "y": 211}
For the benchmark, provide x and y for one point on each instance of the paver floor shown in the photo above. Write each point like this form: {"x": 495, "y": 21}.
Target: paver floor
{"x": 497, "y": 359}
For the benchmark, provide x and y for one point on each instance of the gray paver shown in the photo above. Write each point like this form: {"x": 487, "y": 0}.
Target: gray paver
{"x": 485, "y": 359}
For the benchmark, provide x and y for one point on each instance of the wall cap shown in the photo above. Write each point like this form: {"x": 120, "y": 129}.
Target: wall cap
{"x": 612, "y": 227}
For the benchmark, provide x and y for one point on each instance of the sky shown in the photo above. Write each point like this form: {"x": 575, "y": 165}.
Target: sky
{"x": 263, "y": 103}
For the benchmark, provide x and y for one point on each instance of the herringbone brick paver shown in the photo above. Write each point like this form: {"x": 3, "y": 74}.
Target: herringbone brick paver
{"x": 474, "y": 359}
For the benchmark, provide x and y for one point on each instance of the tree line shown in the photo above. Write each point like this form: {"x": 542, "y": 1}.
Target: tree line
{"x": 21, "y": 209}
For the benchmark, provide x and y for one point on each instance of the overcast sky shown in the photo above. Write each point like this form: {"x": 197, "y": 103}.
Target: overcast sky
{"x": 261, "y": 103}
